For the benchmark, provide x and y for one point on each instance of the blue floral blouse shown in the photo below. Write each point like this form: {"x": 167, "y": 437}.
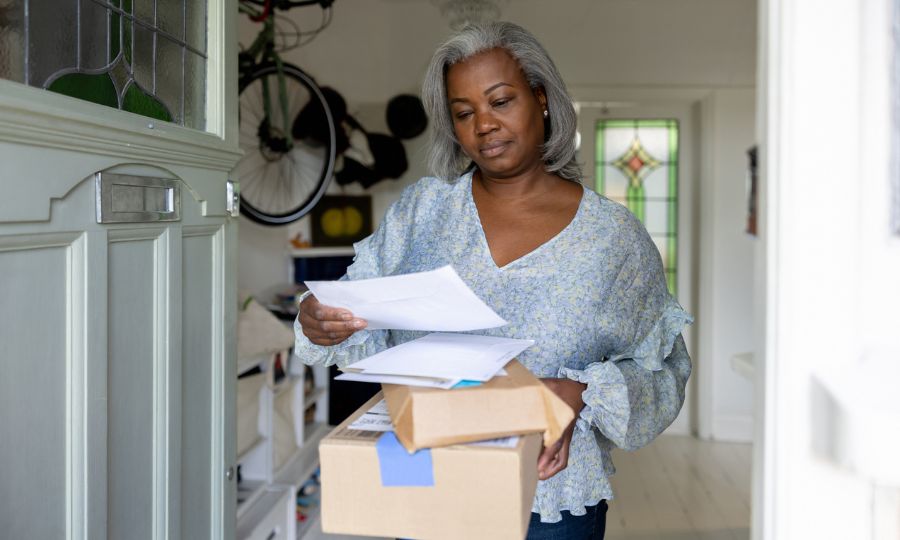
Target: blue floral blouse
{"x": 593, "y": 298}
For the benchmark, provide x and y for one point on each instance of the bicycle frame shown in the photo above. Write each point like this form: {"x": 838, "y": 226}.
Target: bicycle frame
{"x": 263, "y": 48}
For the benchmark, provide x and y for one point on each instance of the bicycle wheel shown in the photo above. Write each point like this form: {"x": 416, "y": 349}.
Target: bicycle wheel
{"x": 281, "y": 176}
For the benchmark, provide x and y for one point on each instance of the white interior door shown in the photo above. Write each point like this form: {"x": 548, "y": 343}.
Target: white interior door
{"x": 592, "y": 110}
{"x": 117, "y": 310}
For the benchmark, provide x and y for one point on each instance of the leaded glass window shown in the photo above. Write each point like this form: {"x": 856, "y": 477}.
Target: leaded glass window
{"x": 637, "y": 165}
{"x": 143, "y": 56}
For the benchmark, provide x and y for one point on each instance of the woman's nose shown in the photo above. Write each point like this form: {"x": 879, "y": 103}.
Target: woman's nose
{"x": 485, "y": 122}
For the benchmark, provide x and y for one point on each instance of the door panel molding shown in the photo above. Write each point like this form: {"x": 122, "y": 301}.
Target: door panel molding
{"x": 60, "y": 177}
{"x": 38, "y": 241}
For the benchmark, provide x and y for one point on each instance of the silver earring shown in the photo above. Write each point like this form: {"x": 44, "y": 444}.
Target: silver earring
{"x": 546, "y": 114}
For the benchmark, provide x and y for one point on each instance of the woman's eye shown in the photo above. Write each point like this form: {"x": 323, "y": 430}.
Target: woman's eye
{"x": 501, "y": 102}
{"x": 463, "y": 115}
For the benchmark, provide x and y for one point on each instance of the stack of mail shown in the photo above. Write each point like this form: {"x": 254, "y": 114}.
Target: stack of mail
{"x": 493, "y": 395}
{"x": 439, "y": 361}
{"x": 438, "y": 300}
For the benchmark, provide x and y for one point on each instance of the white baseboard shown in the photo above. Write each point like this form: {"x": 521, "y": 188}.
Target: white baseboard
{"x": 733, "y": 428}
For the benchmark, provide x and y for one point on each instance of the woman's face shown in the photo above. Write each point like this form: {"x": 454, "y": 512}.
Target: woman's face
{"x": 497, "y": 117}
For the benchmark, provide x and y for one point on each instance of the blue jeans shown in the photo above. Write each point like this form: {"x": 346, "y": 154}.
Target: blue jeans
{"x": 590, "y": 526}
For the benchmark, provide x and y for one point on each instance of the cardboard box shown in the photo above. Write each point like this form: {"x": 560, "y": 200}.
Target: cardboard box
{"x": 506, "y": 405}
{"x": 477, "y": 493}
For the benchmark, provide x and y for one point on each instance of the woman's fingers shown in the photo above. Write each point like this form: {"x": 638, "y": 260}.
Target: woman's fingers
{"x": 556, "y": 457}
{"x": 552, "y": 460}
{"x": 331, "y": 325}
{"x": 326, "y": 325}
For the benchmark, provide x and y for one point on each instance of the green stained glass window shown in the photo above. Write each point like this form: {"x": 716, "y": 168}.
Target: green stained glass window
{"x": 637, "y": 165}
{"x": 143, "y": 56}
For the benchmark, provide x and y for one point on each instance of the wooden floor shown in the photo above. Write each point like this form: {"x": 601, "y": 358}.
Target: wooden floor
{"x": 677, "y": 488}
{"x": 681, "y": 488}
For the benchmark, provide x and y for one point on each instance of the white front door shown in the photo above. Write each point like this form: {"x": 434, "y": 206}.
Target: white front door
{"x": 116, "y": 327}
{"x": 826, "y": 456}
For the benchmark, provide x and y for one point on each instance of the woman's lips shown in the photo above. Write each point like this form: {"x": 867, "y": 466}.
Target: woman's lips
{"x": 493, "y": 149}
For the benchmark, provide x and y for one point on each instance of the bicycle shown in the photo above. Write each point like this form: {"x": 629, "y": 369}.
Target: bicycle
{"x": 287, "y": 130}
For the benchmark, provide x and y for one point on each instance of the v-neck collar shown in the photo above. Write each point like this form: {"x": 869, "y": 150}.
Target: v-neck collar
{"x": 536, "y": 251}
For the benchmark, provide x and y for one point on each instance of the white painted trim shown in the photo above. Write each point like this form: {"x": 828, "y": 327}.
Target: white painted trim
{"x": 31, "y": 116}
{"x": 96, "y": 311}
{"x": 762, "y": 507}
{"x": 174, "y": 322}
{"x": 733, "y": 428}
{"x": 77, "y": 406}
{"x": 162, "y": 357}
{"x": 222, "y": 73}
{"x": 704, "y": 363}
{"x": 222, "y": 422}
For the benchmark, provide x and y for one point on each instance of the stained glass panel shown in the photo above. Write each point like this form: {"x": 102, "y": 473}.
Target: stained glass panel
{"x": 111, "y": 52}
{"x": 637, "y": 166}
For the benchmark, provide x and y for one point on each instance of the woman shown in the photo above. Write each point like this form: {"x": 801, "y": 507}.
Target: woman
{"x": 570, "y": 269}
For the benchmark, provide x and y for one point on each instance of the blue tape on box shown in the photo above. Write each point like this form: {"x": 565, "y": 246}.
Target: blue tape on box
{"x": 400, "y": 468}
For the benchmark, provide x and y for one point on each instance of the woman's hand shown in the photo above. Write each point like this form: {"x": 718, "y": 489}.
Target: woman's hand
{"x": 556, "y": 458}
{"x": 326, "y": 325}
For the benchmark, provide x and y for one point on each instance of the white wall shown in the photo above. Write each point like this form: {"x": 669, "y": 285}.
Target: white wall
{"x": 725, "y": 314}
{"x": 375, "y": 49}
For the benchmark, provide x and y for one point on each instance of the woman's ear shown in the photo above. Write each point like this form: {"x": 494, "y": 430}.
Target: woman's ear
{"x": 541, "y": 96}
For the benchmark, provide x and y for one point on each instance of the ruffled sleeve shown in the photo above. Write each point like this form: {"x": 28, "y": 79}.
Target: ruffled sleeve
{"x": 376, "y": 256}
{"x": 631, "y": 405}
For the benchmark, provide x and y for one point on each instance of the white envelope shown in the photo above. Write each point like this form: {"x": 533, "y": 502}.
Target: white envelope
{"x": 427, "y": 382}
{"x": 437, "y": 300}
{"x": 444, "y": 357}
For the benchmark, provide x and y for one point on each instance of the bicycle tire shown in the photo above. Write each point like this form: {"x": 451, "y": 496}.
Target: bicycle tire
{"x": 291, "y": 193}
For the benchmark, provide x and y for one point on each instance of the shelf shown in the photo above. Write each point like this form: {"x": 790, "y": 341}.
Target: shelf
{"x": 257, "y": 511}
{"x": 285, "y": 384}
{"x": 252, "y": 490}
{"x": 247, "y": 364}
{"x": 311, "y": 522}
{"x": 305, "y": 459}
{"x": 313, "y": 397}
{"x": 260, "y": 441}
{"x": 337, "y": 251}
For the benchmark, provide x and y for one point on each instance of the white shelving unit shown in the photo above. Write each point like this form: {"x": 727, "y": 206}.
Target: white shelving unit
{"x": 271, "y": 469}
{"x": 337, "y": 251}
{"x": 284, "y": 457}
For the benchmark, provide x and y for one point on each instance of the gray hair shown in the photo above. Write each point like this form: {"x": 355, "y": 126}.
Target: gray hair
{"x": 446, "y": 158}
